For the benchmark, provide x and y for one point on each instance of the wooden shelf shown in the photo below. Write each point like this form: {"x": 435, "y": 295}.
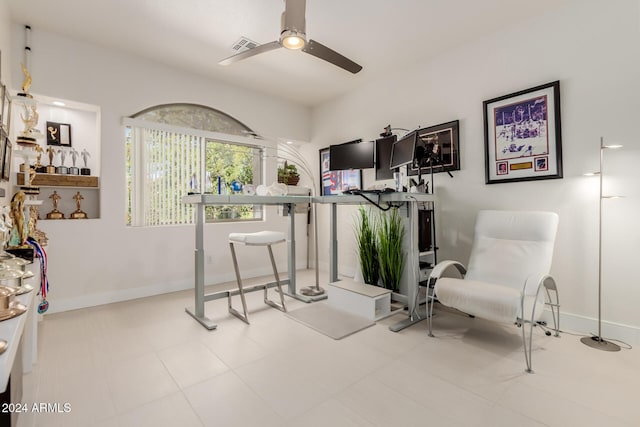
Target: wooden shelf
{"x": 55, "y": 180}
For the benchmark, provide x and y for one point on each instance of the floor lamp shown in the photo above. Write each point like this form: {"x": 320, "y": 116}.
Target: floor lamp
{"x": 290, "y": 153}
{"x": 597, "y": 341}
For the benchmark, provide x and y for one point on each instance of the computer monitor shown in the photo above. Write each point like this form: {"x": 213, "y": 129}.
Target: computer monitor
{"x": 383, "y": 157}
{"x": 352, "y": 155}
{"x": 403, "y": 151}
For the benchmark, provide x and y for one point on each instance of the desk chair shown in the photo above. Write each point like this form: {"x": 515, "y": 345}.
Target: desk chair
{"x": 508, "y": 274}
{"x": 261, "y": 238}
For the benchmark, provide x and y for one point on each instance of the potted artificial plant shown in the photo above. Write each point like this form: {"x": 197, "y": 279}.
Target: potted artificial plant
{"x": 365, "y": 230}
{"x": 390, "y": 232}
{"x": 288, "y": 174}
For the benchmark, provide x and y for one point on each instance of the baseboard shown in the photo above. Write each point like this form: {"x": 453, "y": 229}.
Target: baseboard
{"x": 58, "y": 305}
{"x": 589, "y": 326}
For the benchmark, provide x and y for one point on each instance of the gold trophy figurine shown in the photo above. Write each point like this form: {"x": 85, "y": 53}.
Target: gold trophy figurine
{"x": 26, "y": 84}
{"x": 55, "y": 213}
{"x": 19, "y": 232}
{"x": 52, "y": 152}
{"x": 30, "y": 119}
{"x": 39, "y": 167}
{"x": 78, "y": 214}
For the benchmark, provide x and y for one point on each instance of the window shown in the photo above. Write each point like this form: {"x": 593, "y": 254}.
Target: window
{"x": 179, "y": 148}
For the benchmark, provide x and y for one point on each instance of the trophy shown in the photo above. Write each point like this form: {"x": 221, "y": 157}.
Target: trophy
{"x": 28, "y": 187}
{"x": 25, "y": 166}
{"x": 39, "y": 167}
{"x": 26, "y": 84}
{"x": 62, "y": 169}
{"x": 74, "y": 170}
{"x": 19, "y": 233}
{"x": 52, "y": 152}
{"x": 78, "y": 214}
{"x": 55, "y": 213}
{"x": 85, "y": 170}
{"x": 30, "y": 133}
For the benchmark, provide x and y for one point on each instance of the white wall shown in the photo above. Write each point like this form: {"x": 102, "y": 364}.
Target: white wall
{"x": 592, "y": 47}
{"x": 100, "y": 260}
{"x": 5, "y": 70}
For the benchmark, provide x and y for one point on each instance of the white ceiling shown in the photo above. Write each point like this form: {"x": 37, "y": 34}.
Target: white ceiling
{"x": 194, "y": 35}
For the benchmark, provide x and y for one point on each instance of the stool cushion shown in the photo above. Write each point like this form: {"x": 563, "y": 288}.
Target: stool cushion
{"x": 261, "y": 238}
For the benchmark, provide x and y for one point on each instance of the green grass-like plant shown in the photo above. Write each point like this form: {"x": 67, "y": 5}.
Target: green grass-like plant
{"x": 390, "y": 232}
{"x": 365, "y": 230}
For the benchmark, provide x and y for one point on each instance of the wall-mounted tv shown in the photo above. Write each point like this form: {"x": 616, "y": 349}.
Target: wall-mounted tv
{"x": 403, "y": 150}
{"x": 383, "y": 157}
{"x": 352, "y": 155}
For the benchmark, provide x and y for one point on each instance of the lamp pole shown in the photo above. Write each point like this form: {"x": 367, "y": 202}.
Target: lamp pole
{"x": 597, "y": 341}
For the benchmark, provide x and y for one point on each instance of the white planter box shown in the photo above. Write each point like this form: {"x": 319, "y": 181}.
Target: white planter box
{"x": 371, "y": 302}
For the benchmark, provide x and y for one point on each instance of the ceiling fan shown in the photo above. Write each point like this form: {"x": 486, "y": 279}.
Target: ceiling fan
{"x": 294, "y": 36}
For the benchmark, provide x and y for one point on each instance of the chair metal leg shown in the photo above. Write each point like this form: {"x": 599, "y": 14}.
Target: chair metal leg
{"x": 267, "y": 301}
{"x": 245, "y": 317}
{"x": 554, "y": 304}
{"x": 431, "y": 296}
{"x": 527, "y": 348}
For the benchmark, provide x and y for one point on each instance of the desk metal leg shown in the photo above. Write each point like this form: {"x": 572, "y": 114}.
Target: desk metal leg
{"x": 291, "y": 259}
{"x": 291, "y": 248}
{"x": 198, "y": 312}
{"x": 411, "y": 275}
{"x": 333, "y": 244}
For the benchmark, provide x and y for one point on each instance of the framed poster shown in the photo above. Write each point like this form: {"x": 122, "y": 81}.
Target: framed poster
{"x": 3, "y": 145}
{"x": 335, "y": 182}
{"x": 441, "y": 145}
{"x": 6, "y": 160}
{"x": 522, "y": 135}
{"x": 5, "y": 112}
{"x": 58, "y": 134}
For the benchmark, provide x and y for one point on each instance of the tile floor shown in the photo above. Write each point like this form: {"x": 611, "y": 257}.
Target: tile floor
{"x": 147, "y": 363}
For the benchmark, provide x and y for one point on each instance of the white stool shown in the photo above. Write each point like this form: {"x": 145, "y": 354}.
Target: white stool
{"x": 261, "y": 238}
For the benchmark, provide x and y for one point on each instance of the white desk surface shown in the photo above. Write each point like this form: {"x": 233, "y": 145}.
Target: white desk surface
{"x": 217, "y": 199}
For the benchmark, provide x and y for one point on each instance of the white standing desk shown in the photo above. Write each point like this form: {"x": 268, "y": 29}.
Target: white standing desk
{"x": 202, "y": 200}
{"x": 410, "y": 275}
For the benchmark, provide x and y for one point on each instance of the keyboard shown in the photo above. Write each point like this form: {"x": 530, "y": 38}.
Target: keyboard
{"x": 373, "y": 191}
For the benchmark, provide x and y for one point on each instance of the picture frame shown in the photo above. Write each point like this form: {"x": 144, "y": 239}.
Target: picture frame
{"x": 6, "y": 159}
{"x": 5, "y": 123}
{"x": 335, "y": 182}
{"x": 3, "y": 143}
{"x": 3, "y": 89}
{"x": 442, "y": 143}
{"x": 59, "y": 134}
{"x": 522, "y": 135}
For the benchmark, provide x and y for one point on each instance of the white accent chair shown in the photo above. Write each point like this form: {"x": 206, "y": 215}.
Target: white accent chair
{"x": 508, "y": 275}
{"x": 261, "y": 238}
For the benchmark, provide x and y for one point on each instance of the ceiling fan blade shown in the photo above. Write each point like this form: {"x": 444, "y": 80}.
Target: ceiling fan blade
{"x": 321, "y": 51}
{"x": 251, "y": 52}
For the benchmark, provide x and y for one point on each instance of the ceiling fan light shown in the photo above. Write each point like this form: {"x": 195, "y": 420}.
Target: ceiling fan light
{"x": 292, "y": 40}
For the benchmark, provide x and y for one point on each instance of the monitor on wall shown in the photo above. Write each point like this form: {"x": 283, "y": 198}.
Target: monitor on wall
{"x": 336, "y": 182}
{"x": 383, "y": 157}
{"x": 442, "y": 149}
{"x": 403, "y": 151}
{"x": 352, "y": 155}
